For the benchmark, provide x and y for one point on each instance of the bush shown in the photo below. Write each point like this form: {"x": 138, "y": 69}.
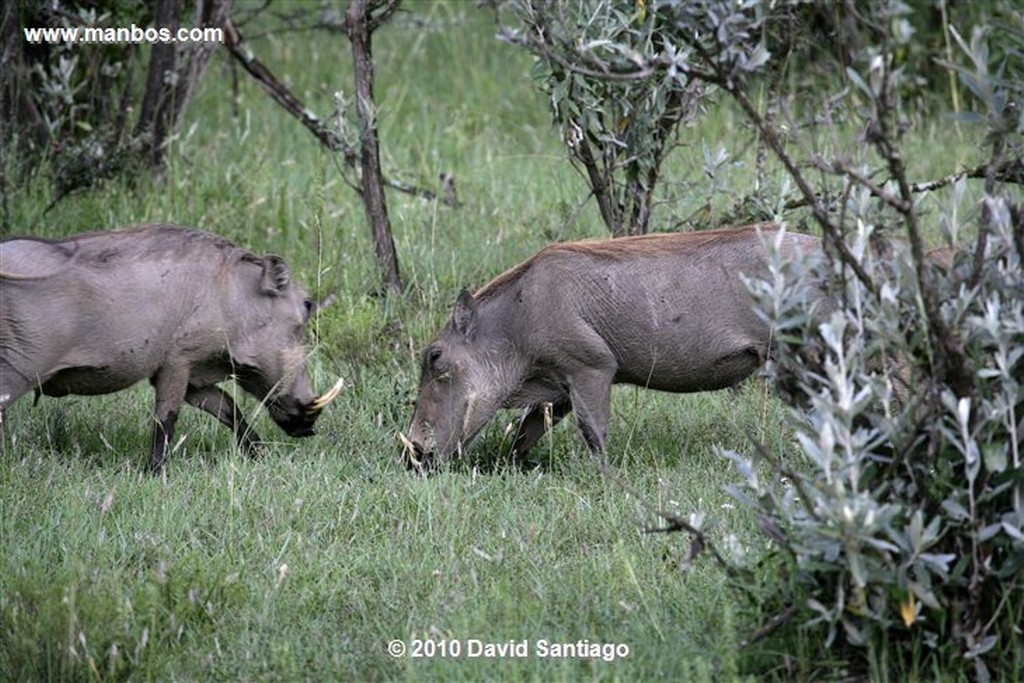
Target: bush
{"x": 899, "y": 538}
{"x": 902, "y": 533}
{"x": 904, "y": 529}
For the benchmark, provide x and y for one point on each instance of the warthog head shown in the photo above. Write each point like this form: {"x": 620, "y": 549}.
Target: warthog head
{"x": 460, "y": 389}
{"x": 270, "y": 353}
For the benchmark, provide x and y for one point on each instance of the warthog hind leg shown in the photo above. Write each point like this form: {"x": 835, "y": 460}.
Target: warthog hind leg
{"x": 590, "y": 393}
{"x": 171, "y": 384}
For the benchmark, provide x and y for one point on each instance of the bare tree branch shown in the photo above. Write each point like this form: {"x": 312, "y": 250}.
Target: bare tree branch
{"x": 283, "y": 96}
{"x": 818, "y": 209}
{"x": 700, "y": 544}
{"x": 1008, "y": 171}
{"x": 379, "y": 11}
{"x": 769, "y": 628}
{"x": 953, "y": 365}
{"x": 236, "y": 46}
{"x": 841, "y": 167}
{"x": 359, "y": 27}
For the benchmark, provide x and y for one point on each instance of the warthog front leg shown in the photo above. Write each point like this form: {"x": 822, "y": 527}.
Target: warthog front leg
{"x": 590, "y": 392}
{"x": 216, "y": 402}
{"x": 535, "y": 424}
{"x": 12, "y": 386}
{"x": 162, "y": 433}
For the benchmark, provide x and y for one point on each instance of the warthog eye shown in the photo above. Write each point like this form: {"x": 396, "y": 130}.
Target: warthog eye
{"x": 435, "y": 363}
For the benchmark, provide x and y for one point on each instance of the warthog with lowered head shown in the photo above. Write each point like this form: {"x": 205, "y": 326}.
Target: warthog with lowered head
{"x": 554, "y": 333}
{"x": 96, "y": 313}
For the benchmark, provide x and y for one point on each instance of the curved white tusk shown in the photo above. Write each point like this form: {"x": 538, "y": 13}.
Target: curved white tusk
{"x": 321, "y": 402}
{"x": 409, "y": 449}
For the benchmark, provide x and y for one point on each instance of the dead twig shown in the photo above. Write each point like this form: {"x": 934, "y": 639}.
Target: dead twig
{"x": 279, "y": 92}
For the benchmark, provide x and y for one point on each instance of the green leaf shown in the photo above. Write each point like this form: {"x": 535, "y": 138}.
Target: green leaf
{"x": 938, "y": 562}
{"x": 995, "y": 456}
{"x": 758, "y": 58}
{"x": 859, "y": 82}
{"x": 857, "y": 572}
{"x": 1013, "y": 532}
{"x": 955, "y": 510}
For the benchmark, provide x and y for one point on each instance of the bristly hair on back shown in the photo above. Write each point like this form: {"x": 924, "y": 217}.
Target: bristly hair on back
{"x": 620, "y": 248}
{"x": 159, "y": 238}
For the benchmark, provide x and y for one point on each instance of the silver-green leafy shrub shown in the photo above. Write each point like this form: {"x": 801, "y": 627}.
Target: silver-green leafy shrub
{"x": 904, "y": 525}
{"x": 901, "y": 533}
{"x": 618, "y": 131}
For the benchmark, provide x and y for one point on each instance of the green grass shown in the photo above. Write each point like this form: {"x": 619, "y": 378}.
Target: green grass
{"x": 306, "y": 563}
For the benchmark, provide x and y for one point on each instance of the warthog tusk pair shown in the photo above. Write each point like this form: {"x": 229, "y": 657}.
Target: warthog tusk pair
{"x": 321, "y": 402}
{"x": 409, "y": 449}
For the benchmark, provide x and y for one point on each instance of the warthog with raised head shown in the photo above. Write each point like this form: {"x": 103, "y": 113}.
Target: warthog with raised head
{"x": 554, "y": 333}
{"x": 96, "y": 313}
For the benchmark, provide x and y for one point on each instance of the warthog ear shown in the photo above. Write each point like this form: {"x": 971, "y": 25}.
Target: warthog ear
{"x": 276, "y": 276}
{"x": 464, "y": 315}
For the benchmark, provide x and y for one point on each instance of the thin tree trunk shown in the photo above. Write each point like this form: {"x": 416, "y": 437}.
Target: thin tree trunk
{"x": 601, "y": 186}
{"x": 213, "y": 13}
{"x": 170, "y": 85}
{"x": 358, "y": 25}
{"x": 18, "y": 113}
{"x": 155, "y": 112}
{"x": 10, "y": 90}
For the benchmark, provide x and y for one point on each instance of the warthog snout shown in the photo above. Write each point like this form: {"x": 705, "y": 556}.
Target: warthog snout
{"x": 418, "y": 456}
{"x": 296, "y": 418}
{"x": 421, "y": 461}
{"x": 297, "y": 424}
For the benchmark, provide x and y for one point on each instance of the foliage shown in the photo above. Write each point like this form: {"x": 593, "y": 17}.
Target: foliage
{"x": 73, "y": 102}
{"x": 617, "y": 131}
{"x": 622, "y": 78}
{"x": 905, "y": 523}
{"x": 102, "y": 109}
